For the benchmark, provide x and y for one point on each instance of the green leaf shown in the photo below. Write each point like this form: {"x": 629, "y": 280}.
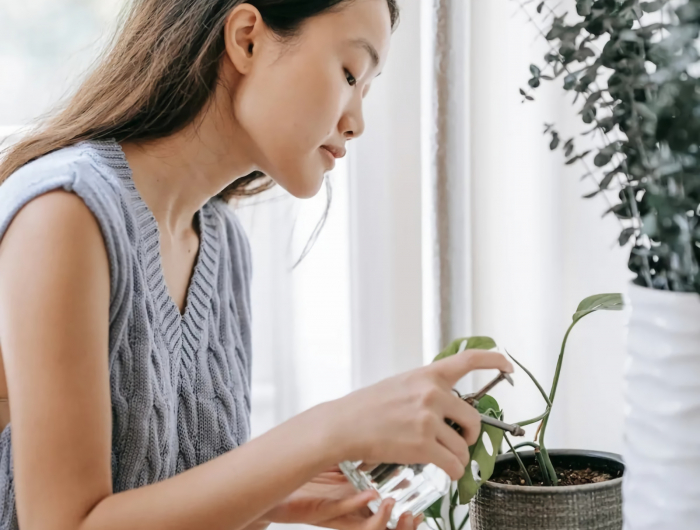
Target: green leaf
{"x": 583, "y": 7}
{"x": 569, "y": 147}
{"x": 534, "y": 70}
{"x": 599, "y": 302}
{"x": 488, "y": 403}
{"x": 555, "y": 141}
{"x": 577, "y": 157}
{"x": 650, "y": 7}
{"x": 625, "y": 236}
{"x": 588, "y": 114}
{"x": 649, "y": 225}
{"x": 468, "y": 485}
{"x": 570, "y": 81}
{"x": 607, "y": 179}
{"x": 473, "y": 343}
{"x": 602, "y": 158}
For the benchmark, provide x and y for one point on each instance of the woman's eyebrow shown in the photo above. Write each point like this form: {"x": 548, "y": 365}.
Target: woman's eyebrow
{"x": 367, "y": 46}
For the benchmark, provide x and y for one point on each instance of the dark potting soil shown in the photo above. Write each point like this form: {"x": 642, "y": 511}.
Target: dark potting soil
{"x": 567, "y": 477}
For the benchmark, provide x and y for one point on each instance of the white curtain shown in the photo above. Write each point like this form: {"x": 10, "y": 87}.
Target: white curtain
{"x": 538, "y": 246}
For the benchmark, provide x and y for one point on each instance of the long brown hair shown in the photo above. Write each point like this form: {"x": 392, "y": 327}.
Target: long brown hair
{"x": 158, "y": 75}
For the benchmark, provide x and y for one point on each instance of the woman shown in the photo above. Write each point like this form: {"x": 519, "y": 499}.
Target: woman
{"x": 124, "y": 281}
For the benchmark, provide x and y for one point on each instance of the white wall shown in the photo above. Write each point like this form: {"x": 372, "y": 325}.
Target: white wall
{"x": 539, "y": 248}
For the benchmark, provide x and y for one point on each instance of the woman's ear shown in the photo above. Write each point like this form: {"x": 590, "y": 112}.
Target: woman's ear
{"x": 243, "y": 32}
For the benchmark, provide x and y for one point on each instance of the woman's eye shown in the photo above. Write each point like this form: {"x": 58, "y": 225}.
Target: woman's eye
{"x": 350, "y": 78}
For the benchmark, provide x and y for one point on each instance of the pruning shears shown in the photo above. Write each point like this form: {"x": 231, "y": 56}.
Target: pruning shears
{"x": 473, "y": 400}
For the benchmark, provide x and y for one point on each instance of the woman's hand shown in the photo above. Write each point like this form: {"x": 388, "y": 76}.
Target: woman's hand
{"x": 331, "y": 501}
{"x": 402, "y": 419}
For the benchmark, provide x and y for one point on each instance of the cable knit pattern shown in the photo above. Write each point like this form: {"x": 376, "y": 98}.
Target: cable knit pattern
{"x": 180, "y": 384}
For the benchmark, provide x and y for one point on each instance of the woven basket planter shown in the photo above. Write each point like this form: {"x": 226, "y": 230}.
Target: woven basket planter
{"x": 587, "y": 507}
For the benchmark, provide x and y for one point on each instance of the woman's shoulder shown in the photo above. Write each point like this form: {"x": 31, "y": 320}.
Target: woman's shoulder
{"x": 83, "y": 168}
{"x": 92, "y": 180}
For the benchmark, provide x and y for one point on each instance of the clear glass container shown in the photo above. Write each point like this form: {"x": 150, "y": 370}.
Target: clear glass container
{"x": 414, "y": 487}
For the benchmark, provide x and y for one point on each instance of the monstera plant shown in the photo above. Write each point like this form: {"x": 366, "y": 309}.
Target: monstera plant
{"x": 484, "y": 453}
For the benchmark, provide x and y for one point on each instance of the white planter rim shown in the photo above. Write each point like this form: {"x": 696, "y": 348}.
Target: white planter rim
{"x": 659, "y": 294}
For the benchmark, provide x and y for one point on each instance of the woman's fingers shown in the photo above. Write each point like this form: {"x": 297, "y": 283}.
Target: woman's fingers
{"x": 379, "y": 520}
{"x": 349, "y": 505}
{"x": 453, "y": 442}
{"x": 405, "y": 522}
{"x": 447, "y": 461}
{"x": 465, "y": 416}
{"x": 417, "y": 521}
{"x": 453, "y": 368}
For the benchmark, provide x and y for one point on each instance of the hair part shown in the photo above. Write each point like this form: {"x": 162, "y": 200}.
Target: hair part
{"x": 157, "y": 77}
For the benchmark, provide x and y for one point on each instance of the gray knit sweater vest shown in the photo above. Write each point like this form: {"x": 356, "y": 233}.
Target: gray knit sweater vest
{"x": 180, "y": 384}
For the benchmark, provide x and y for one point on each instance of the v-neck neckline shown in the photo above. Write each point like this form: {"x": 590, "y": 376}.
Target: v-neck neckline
{"x": 181, "y": 331}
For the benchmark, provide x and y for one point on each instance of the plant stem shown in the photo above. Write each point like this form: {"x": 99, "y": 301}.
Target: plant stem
{"x": 557, "y": 373}
{"x": 544, "y": 454}
{"x": 437, "y": 523}
{"x": 543, "y": 461}
{"x": 534, "y": 420}
{"x": 523, "y": 469}
{"x": 539, "y": 387}
{"x": 453, "y": 499}
{"x": 539, "y": 428}
{"x": 552, "y": 393}
{"x": 532, "y": 377}
{"x": 534, "y": 445}
{"x": 542, "y": 458}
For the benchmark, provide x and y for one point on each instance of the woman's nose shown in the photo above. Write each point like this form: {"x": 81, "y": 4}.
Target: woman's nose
{"x": 353, "y": 124}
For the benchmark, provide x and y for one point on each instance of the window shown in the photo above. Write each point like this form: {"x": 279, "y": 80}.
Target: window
{"x": 45, "y": 46}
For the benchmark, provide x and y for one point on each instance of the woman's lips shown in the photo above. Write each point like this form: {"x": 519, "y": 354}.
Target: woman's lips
{"x": 337, "y": 152}
{"x": 328, "y": 156}
{"x": 331, "y": 154}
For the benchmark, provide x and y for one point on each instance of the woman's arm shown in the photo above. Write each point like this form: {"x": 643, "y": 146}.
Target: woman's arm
{"x": 54, "y": 314}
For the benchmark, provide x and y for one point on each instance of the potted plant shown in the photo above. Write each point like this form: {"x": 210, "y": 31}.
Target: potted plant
{"x": 632, "y": 69}
{"x": 533, "y": 489}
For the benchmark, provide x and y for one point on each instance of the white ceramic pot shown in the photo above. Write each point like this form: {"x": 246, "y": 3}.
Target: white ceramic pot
{"x": 661, "y": 484}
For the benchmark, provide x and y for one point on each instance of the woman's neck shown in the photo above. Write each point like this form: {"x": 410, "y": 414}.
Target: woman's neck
{"x": 178, "y": 174}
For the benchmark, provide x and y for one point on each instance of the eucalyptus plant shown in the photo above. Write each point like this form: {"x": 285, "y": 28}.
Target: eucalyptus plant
{"x": 632, "y": 68}
{"x": 484, "y": 453}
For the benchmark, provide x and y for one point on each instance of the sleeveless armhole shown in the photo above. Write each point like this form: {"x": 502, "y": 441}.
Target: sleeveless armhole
{"x": 73, "y": 171}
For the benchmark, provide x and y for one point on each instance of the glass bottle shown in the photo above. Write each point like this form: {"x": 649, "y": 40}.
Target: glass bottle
{"x": 414, "y": 487}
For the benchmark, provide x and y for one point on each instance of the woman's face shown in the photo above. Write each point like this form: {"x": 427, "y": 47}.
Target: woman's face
{"x": 300, "y": 101}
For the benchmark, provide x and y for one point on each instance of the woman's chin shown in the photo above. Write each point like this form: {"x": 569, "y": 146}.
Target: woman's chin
{"x": 303, "y": 187}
